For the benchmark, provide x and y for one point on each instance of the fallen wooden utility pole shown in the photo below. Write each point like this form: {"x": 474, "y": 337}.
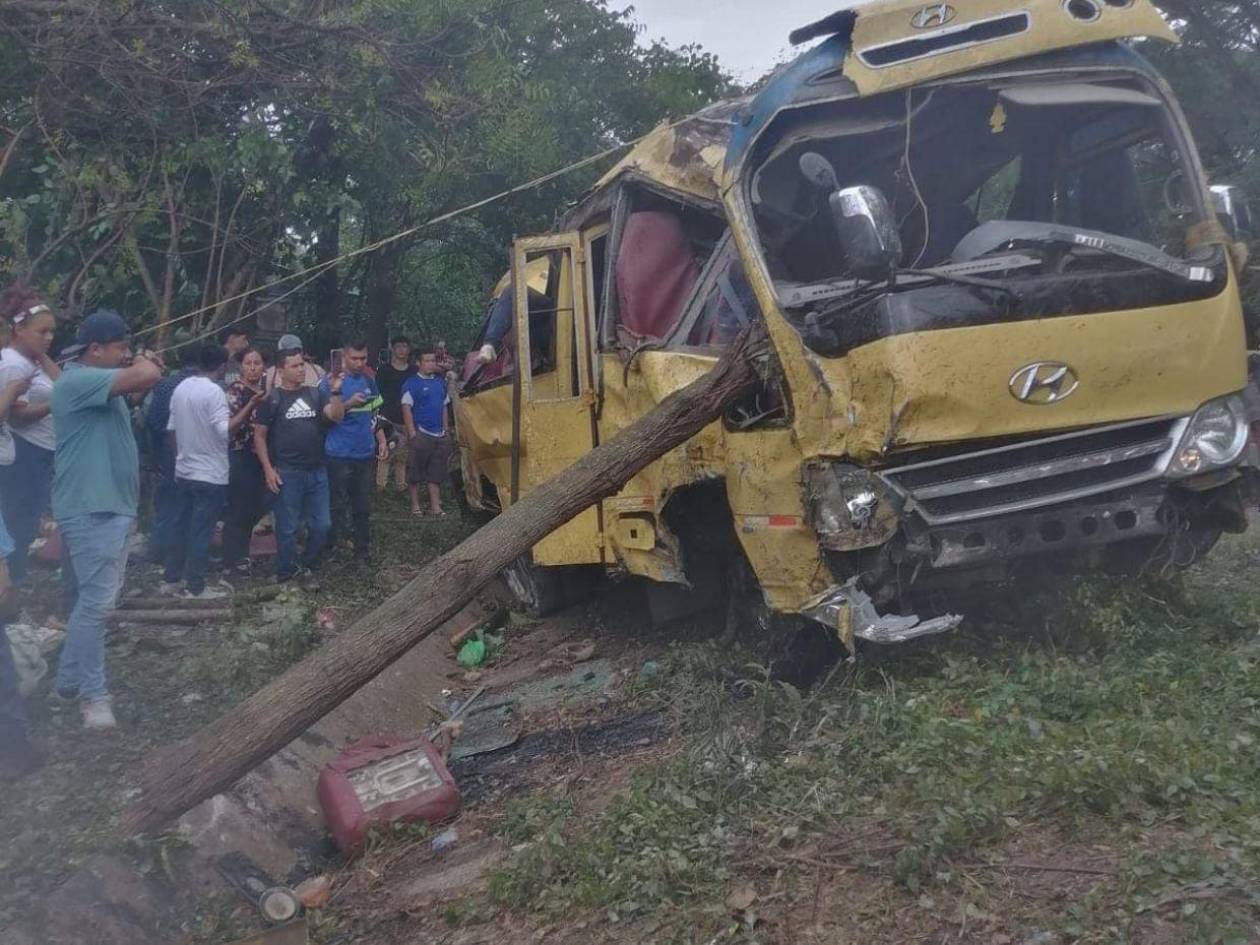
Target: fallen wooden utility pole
{"x": 212, "y": 760}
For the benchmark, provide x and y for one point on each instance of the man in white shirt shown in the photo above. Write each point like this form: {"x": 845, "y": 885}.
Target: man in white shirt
{"x": 199, "y": 422}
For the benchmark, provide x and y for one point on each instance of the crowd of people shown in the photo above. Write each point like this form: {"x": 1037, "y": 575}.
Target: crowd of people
{"x": 229, "y": 436}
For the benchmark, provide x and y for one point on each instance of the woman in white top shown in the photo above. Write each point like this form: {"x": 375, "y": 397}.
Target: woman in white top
{"x": 25, "y": 485}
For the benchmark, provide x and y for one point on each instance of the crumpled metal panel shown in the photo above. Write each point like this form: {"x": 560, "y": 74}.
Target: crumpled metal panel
{"x": 688, "y": 157}
{"x": 852, "y": 613}
{"x": 954, "y": 385}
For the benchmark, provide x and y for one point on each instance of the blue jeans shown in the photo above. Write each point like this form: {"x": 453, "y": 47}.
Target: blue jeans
{"x": 303, "y": 500}
{"x": 165, "y": 506}
{"x": 24, "y": 487}
{"x": 199, "y": 505}
{"x": 97, "y": 544}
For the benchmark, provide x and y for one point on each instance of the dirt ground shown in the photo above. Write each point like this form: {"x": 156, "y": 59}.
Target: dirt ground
{"x": 661, "y": 787}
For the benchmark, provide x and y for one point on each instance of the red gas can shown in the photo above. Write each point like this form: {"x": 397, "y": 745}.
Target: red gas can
{"x": 383, "y": 780}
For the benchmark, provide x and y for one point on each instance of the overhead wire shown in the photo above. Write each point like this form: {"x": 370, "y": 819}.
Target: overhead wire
{"x": 313, "y": 272}
{"x": 914, "y": 184}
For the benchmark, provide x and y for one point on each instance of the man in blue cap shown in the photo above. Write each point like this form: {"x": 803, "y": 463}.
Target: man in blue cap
{"x": 96, "y": 488}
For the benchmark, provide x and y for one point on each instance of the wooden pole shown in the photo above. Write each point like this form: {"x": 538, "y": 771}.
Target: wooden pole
{"x": 189, "y": 772}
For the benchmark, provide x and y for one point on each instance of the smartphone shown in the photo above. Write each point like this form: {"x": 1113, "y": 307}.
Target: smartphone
{"x": 335, "y": 360}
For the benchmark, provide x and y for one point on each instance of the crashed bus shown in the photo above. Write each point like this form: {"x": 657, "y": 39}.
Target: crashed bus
{"x": 1003, "y": 316}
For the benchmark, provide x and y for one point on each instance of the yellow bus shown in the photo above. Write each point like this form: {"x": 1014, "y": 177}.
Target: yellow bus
{"x": 1002, "y": 305}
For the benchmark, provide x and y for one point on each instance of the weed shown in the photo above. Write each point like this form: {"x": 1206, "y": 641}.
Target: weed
{"x": 1099, "y": 709}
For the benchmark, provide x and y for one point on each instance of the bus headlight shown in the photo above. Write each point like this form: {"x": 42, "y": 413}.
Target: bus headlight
{"x": 1215, "y": 437}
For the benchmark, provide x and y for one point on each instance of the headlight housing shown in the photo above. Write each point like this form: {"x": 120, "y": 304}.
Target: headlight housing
{"x": 1215, "y": 438}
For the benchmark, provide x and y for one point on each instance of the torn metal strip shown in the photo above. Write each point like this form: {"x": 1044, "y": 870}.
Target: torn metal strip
{"x": 853, "y": 614}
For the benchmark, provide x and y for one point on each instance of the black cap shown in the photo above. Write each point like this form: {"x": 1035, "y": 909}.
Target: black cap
{"x": 100, "y": 328}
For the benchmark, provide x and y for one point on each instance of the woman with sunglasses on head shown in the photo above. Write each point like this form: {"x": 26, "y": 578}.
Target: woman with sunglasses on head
{"x": 28, "y": 481}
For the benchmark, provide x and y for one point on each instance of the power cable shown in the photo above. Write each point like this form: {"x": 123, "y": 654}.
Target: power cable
{"x": 315, "y": 271}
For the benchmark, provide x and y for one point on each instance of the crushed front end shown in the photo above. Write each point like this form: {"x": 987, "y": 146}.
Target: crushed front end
{"x": 1137, "y": 496}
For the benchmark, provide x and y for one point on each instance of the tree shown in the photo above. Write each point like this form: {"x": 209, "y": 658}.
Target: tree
{"x": 166, "y": 157}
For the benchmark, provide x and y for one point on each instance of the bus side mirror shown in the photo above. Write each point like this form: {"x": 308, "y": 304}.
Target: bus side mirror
{"x": 1234, "y": 211}
{"x": 867, "y": 230}
{"x": 863, "y": 220}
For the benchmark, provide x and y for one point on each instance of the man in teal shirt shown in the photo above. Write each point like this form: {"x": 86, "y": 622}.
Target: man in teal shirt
{"x": 96, "y": 488}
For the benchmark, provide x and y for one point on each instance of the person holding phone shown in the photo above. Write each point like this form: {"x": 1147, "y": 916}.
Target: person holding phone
{"x": 353, "y": 448}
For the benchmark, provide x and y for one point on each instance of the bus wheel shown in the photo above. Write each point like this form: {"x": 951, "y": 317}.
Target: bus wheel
{"x": 539, "y": 590}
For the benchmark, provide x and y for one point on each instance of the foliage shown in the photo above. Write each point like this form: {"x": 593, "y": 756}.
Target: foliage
{"x": 1103, "y": 715}
{"x": 166, "y": 157}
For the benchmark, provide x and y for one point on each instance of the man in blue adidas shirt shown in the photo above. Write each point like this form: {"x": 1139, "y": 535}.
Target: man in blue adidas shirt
{"x": 353, "y": 448}
{"x": 424, "y": 401}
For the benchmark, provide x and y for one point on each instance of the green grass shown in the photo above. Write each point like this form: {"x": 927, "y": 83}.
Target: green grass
{"x": 1104, "y": 712}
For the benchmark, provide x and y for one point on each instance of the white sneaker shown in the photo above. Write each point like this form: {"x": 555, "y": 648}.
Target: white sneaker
{"x": 169, "y": 588}
{"x": 207, "y": 593}
{"x": 98, "y": 714}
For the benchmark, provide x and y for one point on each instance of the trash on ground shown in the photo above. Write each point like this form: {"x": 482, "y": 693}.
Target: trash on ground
{"x": 568, "y": 654}
{"x": 472, "y": 653}
{"x": 384, "y": 780}
{"x": 445, "y": 840}
{"x": 491, "y": 773}
{"x": 315, "y": 892}
{"x": 741, "y": 898}
{"x": 276, "y": 903}
{"x": 446, "y": 735}
{"x": 29, "y": 645}
{"x": 852, "y": 613}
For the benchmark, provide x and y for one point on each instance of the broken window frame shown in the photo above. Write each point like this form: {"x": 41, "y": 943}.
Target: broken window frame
{"x": 623, "y": 206}
{"x": 1173, "y": 121}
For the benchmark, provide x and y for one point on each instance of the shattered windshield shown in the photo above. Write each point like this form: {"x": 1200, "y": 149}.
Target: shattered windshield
{"x": 1094, "y": 157}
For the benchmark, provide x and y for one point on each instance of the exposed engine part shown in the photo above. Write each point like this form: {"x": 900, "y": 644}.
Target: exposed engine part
{"x": 849, "y": 507}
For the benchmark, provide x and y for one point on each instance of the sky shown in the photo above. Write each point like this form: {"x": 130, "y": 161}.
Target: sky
{"x": 748, "y": 36}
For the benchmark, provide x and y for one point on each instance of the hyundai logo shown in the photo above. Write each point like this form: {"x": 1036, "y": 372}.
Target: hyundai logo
{"x": 1044, "y": 382}
{"x": 937, "y": 14}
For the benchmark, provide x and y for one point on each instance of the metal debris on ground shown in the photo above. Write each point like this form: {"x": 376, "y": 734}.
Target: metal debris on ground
{"x": 852, "y": 613}
{"x": 501, "y": 771}
{"x": 276, "y": 903}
